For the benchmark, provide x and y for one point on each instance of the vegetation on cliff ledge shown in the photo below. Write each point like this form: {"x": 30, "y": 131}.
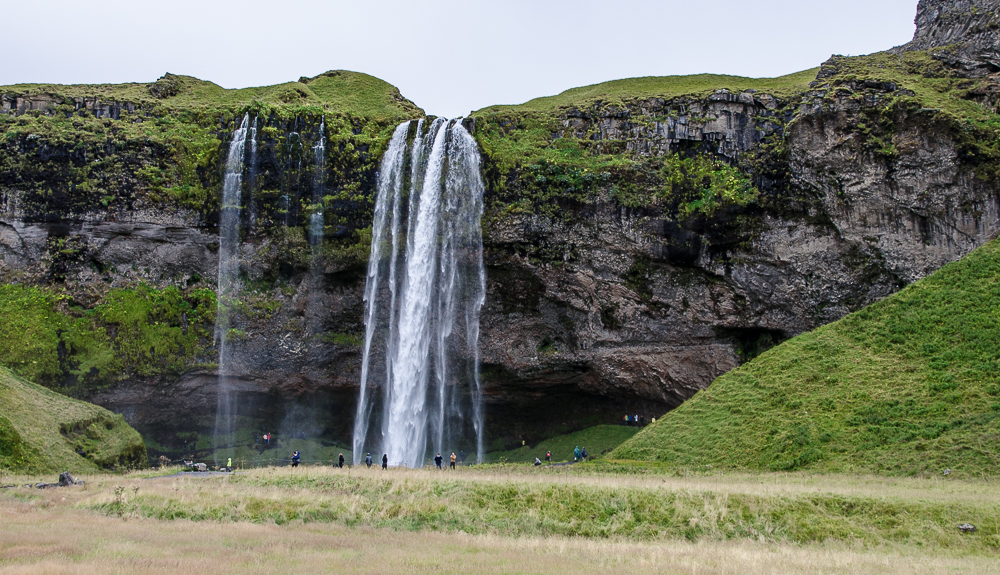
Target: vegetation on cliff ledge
{"x": 48, "y": 338}
{"x": 908, "y": 385}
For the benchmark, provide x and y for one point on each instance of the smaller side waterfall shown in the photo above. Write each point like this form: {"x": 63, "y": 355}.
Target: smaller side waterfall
{"x": 316, "y": 220}
{"x": 424, "y": 292}
{"x": 252, "y": 217}
{"x": 228, "y": 288}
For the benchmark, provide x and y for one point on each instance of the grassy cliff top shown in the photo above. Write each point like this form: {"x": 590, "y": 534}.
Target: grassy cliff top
{"x": 352, "y": 93}
{"x": 908, "y": 385}
{"x": 631, "y": 89}
{"x": 41, "y": 430}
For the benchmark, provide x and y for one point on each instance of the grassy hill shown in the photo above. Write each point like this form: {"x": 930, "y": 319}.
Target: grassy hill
{"x": 909, "y": 385}
{"x": 41, "y": 431}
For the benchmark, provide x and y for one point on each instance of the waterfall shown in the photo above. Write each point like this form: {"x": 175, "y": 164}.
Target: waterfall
{"x": 228, "y": 288}
{"x": 423, "y": 295}
{"x": 319, "y": 157}
{"x": 252, "y": 222}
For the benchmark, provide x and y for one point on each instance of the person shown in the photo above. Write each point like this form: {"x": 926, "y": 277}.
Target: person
{"x": 341, "y": 461}
{"x": 583, "y": 453}
{"x": 437, "y": 460}
{"x": 537, "y": 462}
{"x": 636, "y": 419}
{"x": 576, "y": 453}
{"x": 256, "y": 439}
{"x": 548, "y": 457}
{"x": 295, "y": 458}
{"x": 461, "y": 456}
{"x": 385, "y": 461}
{"x": 625, "y": 420}
{"x": 229, "y": 464}
{"x": 453, "y": 458}
{"x": 368, "y": 460}
{"x": 654, "y": 420}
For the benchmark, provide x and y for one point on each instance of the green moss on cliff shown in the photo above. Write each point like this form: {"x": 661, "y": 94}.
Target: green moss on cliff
{"x": 142, "y": 331}
{"x": 923, "y": 86}
{"x": 907, "y": 385}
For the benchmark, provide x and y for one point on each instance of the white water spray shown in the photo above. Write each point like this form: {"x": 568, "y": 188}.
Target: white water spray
{"x": 424, "y": 292}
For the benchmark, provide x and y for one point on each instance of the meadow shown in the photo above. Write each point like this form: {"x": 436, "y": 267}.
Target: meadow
{"x": 500, "y": 519}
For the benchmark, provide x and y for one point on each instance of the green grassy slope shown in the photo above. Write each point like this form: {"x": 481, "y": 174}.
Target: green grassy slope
{"x": 905, "y": 386}
{"x": 41, "y": 430}
{"x": 598, "y": 440}
{"x": 351, "y": 93}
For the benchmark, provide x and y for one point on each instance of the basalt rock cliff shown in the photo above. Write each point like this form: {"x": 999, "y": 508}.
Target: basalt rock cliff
{"x": 642, "y": 237}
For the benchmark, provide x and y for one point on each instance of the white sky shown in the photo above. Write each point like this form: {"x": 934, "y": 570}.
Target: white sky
{"x": 450, "y": 57}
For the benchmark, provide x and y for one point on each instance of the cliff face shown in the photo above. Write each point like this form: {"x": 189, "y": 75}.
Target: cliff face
{"x": 642, "y": 237}
{"x": 648, "y": 302}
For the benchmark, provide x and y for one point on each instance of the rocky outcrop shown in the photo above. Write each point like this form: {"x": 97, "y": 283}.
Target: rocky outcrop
{"x": 961, "y": 33}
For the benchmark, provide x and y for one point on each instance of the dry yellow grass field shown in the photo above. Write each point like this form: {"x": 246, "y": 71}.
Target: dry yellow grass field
{"x": 108, "y": 527}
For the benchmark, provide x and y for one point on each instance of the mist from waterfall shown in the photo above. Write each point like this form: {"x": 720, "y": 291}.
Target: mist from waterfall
{"x": 228, "y": 288}
{"x": 424, "y": 291}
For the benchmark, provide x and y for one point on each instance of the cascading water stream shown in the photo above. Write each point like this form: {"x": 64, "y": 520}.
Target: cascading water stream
{"x": 253, "y": 174}
{"x": 319, "y": 157}
{"x": 424, "y": 292}
{"x": 229, "y": 240}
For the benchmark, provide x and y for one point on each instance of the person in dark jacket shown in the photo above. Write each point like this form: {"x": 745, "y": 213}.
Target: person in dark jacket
{"x": 368, "y": 460}
{"x": 385, "y": 461}
{"x": 341, "y": 461}
{"x": 437, "y": 460}
{"x": 296, "y": 457}
{"x": 583, "y": 453}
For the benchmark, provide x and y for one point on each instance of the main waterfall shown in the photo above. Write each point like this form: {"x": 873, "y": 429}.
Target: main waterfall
{"x": 425, "y": 287}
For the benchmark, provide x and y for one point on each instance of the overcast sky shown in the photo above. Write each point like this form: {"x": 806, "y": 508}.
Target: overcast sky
{"x": 450, "y": 57}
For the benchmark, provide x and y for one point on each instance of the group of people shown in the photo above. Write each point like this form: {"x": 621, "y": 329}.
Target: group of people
{"x": 578, "y": 455}
{"x": 385, "y": 460}
{"x": 297, "y": 458}
{"x": 634, "y": 420}
{"x": 266, "y": 437}
{"x": 438, "y": 459}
